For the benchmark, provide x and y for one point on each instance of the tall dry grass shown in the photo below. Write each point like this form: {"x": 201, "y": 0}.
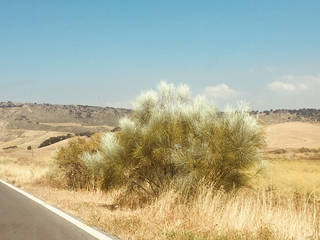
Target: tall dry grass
{"x": 265, "y": 212}
{"x": 301, "y": 177}
{"x": 247, "y": 214}
{"x": 21, "y": 172}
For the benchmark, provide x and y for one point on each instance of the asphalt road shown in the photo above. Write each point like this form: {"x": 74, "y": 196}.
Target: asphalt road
{"x": 29, "y": 218}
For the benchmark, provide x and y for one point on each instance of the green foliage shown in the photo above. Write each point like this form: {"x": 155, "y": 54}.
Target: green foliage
{"x": 87, "y": 134}
{"x": 308, "y": 150}
{"x": 71, "y": 167}
{"x": 53, "y": 140}
{"x": 171, "y": 140}
{"x": 303, "y": 150}
{"x": 10, "y": 147}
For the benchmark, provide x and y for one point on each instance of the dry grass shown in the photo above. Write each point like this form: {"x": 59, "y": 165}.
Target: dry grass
{"x": 29, "y": 138}
{"x": 23, "y": 172}
{"x": 273, "y": 210}
{"x": 301, "y": 177}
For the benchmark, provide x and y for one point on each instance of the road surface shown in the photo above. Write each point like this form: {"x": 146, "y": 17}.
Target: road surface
{"x": 23, "y": 216}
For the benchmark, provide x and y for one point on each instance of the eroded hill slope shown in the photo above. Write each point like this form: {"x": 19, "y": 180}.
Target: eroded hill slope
{"x": 62, "y": 118}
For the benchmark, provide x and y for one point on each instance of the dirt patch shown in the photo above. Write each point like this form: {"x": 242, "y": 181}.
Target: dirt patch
{"x": 293, "y": 135}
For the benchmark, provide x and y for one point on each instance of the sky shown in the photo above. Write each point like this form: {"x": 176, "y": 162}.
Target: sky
{"x": 106, "y": 52}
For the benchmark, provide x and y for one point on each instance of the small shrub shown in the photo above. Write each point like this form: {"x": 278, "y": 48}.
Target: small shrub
{"x": 29, "y": 148}
{"x": 87, "y": 134}
{"x": 116, "y": 129}
{"x": 11, "y": 147}
{"x": 279, "y": 151}
{"x": 68, "y": 162}
{"x": 305, "y": 150}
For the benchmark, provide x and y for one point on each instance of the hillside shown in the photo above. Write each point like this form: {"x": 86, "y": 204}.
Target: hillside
{"x": 63, "y": 118}
{"x": 24, "y": 122}
{"x": 284, "y": 115}
{"x": 27, "y": 124}
{"x": 80, "y": 118}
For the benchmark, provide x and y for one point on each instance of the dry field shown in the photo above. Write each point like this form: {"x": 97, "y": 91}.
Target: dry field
{"x": 284, "y": 203}
{"x": 30, "y": 138}
{"x": 293, "y": 135}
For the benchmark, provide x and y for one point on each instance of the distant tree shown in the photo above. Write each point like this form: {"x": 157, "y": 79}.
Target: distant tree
{"x": 78, "y": 114}
{"x": 89, "y": 115}
{"x": 52, "y": 140}
{"x": 116, "y": 129}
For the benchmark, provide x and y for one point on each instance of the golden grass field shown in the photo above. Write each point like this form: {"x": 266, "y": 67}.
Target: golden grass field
{"x": 283, "y": 203}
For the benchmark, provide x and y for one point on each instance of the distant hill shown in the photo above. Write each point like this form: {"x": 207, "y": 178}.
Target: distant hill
{"x": 29, "y": 124}
{"x": 284, "y": 115}
{"x": 62, "y": 118}
{"x": 82, "y": 118}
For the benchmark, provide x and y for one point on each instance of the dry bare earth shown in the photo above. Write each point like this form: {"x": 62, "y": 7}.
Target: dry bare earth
{"x": 293, "y": 135}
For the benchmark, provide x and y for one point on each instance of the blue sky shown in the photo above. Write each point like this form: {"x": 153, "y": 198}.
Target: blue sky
{"x": 105, "y": 52}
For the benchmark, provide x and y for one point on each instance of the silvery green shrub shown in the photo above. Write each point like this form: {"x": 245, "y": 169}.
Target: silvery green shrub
{"x": 173, "y": 141}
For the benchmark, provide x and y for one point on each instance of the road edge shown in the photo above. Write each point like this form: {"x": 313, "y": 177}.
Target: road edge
{"x": 95, "y": 233}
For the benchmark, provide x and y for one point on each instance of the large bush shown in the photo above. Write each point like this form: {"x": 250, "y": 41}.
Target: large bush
{"x": 171, "y": 140}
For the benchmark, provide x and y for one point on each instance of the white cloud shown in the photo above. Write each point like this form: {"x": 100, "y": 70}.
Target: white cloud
{"x": 304, "y": 80}
{"x": 280, "y": 86}
{"x": 290, "y": 83}
{"x": 221, "y": 91}
{"x": 303, "y": 86}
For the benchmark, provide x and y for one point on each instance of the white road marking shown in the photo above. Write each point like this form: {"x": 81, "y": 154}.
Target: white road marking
{"x": 79, "y": 224}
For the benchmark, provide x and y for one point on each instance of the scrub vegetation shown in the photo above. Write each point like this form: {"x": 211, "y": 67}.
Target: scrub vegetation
{"x": 67, "y": 169}
{"x": 174, "y": 142}
{"x": 179, "y": 169}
